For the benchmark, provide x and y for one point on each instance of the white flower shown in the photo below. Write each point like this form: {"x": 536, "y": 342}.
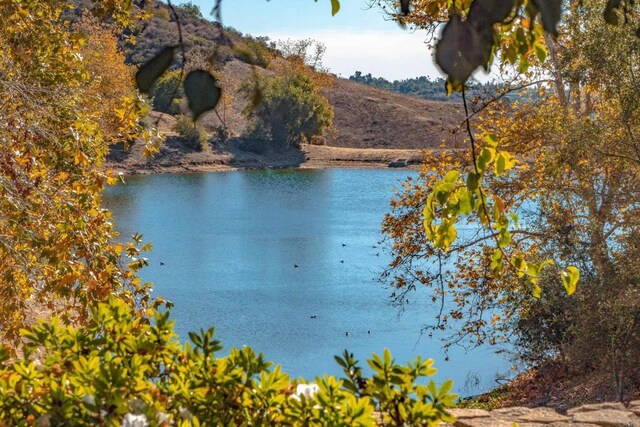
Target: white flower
{"x": 131, "y": 420}
{"x": 89, "y": 400}
{"x": 306, "y": 390}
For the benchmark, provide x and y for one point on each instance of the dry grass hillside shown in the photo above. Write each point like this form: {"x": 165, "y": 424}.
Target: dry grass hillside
{"x": 366, "y": 117}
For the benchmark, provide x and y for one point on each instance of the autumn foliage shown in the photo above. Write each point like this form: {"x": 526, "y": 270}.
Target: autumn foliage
{"x": 66, "y": 95}
{"x": 530, "y": 235}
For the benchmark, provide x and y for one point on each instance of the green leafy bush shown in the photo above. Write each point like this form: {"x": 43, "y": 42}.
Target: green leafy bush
{"x": 598, "y": 329}
{"x": 190, "y": 133}
{"x": 168, "y": 93}
{"x": 255, "y": 51}
{"x": 292, "y": 110}
{"x": 124, "y": 367}
{"x": 191, "y": 8}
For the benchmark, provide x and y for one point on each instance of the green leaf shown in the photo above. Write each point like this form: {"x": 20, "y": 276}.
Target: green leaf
{"x": 486, "y": 156}
{"x": 536, "y": 291}
{"x": 387, "y": 357}
{"x": 511, "y": 54}
{"x": 473, "y": 181}
{"x": 520, "y": 264}
{"x": 496, "y": 261}
{"x": 491, "y": 140}
{"x": 504, "y": 162}
{"x": 505, "y": 238}
{"x": 540, "y": 51}
{"x": 153, "y": 69}
{"x": 202, "y": 91}
{"x": 452, "y": 176}
{"x": 514, "y": 219}
{"x": 445, "y": 388}
{"x": 465, "y": 201}
{"x": 570, "y": 278}
{"x": 335, "y": 7}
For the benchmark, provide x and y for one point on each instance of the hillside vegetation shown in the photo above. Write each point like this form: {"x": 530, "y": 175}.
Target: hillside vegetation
{"x": 363, "y": 117}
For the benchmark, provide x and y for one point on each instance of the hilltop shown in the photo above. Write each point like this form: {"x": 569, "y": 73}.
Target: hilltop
{"x": 369, "y": 123}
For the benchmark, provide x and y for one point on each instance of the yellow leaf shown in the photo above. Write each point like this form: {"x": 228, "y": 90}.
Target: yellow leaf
{"x": 570, "y": 278}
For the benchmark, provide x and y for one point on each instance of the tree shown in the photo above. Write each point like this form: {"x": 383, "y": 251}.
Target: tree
{"x": 60, "y": 109}
{"x": 308, "y": 51}
{"x": 549, "y": 185}
{"x": 192, "y": 9}
{"x": 168, "y": 93}
{"x": 291, "y": 110}
{"x": 478, "y": 29}
{"x": 303, "y": 57}
{"x": 475, "y": 33}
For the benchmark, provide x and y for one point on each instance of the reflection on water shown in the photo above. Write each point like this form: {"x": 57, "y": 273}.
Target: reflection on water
{"x": 256, "y": 254}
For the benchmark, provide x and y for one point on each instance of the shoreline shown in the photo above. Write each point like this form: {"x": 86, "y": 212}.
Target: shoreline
{"x": 307, "y": 157}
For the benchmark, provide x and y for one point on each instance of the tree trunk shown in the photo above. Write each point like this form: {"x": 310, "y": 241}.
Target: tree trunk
{"x": 553, "y": 56}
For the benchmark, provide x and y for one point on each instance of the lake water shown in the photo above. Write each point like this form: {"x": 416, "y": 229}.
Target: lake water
{"x": 257, "y": 253}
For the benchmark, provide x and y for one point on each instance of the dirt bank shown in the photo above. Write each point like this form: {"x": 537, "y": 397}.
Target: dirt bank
{"x": 176, "y": 157}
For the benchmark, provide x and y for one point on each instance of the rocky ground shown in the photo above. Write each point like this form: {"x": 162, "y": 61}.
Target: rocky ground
{"x": 602, "y": 414}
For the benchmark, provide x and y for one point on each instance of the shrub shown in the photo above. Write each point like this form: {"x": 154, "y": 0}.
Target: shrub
{"x": 166, "y": 98}
{"x": 598, "y": 329}
{"x": 161, "y": 12}
{"x": 292, "y": 110}
{"x": 122, "y": 367}
{"x": 190, "y": 133}
{"x": 222, "y": 133}
{"x": 191, "y": 9}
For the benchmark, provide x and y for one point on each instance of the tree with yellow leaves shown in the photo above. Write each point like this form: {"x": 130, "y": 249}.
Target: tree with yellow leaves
{"x": 65, "y": 96}
{"x": 548, "y": 187}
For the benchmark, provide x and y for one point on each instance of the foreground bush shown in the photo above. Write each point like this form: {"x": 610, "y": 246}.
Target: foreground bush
{"x": 120, "y": 367}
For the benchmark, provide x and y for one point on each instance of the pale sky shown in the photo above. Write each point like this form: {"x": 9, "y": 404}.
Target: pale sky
{"x": 357, "y": 38}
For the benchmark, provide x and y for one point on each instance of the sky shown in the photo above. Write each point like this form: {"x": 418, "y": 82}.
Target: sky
{"x": 357, "y": 38}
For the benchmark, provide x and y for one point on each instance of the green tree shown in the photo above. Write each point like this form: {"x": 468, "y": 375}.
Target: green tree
{"x": 168, "y": 93}
{"x": 292, "y": 110}
{"x": 191, "y": 8}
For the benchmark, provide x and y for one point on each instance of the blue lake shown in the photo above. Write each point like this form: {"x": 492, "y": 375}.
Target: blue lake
{"x": 230, "y": 243}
